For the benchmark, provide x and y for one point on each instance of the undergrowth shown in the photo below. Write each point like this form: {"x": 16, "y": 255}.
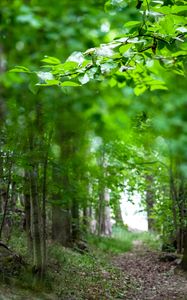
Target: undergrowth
{"x": 90, "y": 275}
{"x": 150, "y": 240}
{"x": 122, "y": 240}
{"x": 83, "y": 276}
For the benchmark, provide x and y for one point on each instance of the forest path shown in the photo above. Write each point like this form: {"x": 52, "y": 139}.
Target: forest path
{"x": 151, "y": 278}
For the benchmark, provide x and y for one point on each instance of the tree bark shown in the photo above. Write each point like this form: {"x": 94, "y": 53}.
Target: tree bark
{"x": 118, "y": 214}
{"x": 44, "y": 196}
{"x": 150, "y": 202}
{"x": 27, "y": 208}
{"x": 35, "y": 223}
{"x": 104, "y": 219}
{"x": 184, "y": 259}
{"x": 6, "y": 197}
{"x": 61, "y": 226}
{"x": 87, "y": 218}
{"x": 75, "y": 220}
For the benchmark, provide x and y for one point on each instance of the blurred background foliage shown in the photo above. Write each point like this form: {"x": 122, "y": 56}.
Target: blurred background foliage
{"x": 142, "y": 134}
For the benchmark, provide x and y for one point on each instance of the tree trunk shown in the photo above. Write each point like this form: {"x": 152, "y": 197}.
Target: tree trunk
{"x": 150, "y": 202}
{"x": 75, "y": 221}
{"x": 61, "y": 215}
{"x": 44, "y": 195}
{"x": 174, "y": 198}
{"x": 181, "y": 210}
{"x": 184, "y": 260}
{"x": 87, "y": 219}
{"x": 104, "y": 219}
{"x": 61, "y": 226}
{"x": 6, "y": 198}
{"x": 2, "y": 70}
{"x": 118, "y": 214}
{"x": 27, "y": 208}
{"x": 35, "y": 223}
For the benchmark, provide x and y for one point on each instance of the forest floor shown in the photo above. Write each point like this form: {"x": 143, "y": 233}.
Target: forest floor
{"x": 9, "y": 292}
{"x": 139, "y": 274}
{"x": 153, "y": 278}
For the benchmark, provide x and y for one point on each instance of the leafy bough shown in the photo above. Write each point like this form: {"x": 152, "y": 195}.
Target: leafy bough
{"x": 138, "y": 59}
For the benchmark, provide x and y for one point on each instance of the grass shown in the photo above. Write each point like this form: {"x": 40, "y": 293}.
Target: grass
{"x": 118, "y": 243}
{"x": 122, "y": 240}
{"x": 70, "y": 275}
{"x": 91, "y": 275}
{"x": 18, "y": 243}
{"x": 83, "y": 276}
{"x": 150, "y": 240}
{"x": 75, "y": 276}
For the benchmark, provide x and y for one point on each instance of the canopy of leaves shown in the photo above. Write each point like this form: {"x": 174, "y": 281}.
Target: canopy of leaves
{"x": 137, "y": 55}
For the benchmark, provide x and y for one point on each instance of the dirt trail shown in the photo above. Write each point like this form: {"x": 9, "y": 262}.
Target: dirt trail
{"x": 151, "y": 278}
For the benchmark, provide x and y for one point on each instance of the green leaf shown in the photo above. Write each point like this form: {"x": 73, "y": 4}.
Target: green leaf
{"x": 139, "y": 89}
{"x": 51, "y": 60}
{"x": 125, "y": 48}
{"x": 178, "y": 9}
{"x": 33, "y": 87}
{"x": 131, "y": 23}
{"x": 69, "y": 83}
{"x": 69, "y": 65}
{"x": 158, "y": 87}
{"x": 179, "y": 53}
{"x": 20, "y": 69}
{"x": 112, "y": 82}
{"x": 163, "y": 9}
{"x": 108, "y": 6}
{"x": 167, "y": 25}
{"x": 49, "y": 83}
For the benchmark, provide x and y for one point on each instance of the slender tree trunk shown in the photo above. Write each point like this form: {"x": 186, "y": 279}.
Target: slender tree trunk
{"x": 181, "y": 216}
{"x": 1, "y": 183}
{"x": 100, "y": 212}
{"x": 27, "y": 207}
{"x": 184, "y": 260}
{"x": 87, "y": 218}
{"x": 44, "y": 195}
{"x": 150, "y": 201}
{"x": 1, "y": 179}
{"x": 173, "y": 195}
{"x": 75, "y": 221}
{"x": 104, "y": 220}
{"x": 44, "y": 233}
{"x": 106, "y": 226}
{"x": 6, "y": 198}
{"x": 35, "y": 223}
{"x": 2, "y": 70}
{"x": 11, "y": 210}
{"x": 118, "y": 214}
